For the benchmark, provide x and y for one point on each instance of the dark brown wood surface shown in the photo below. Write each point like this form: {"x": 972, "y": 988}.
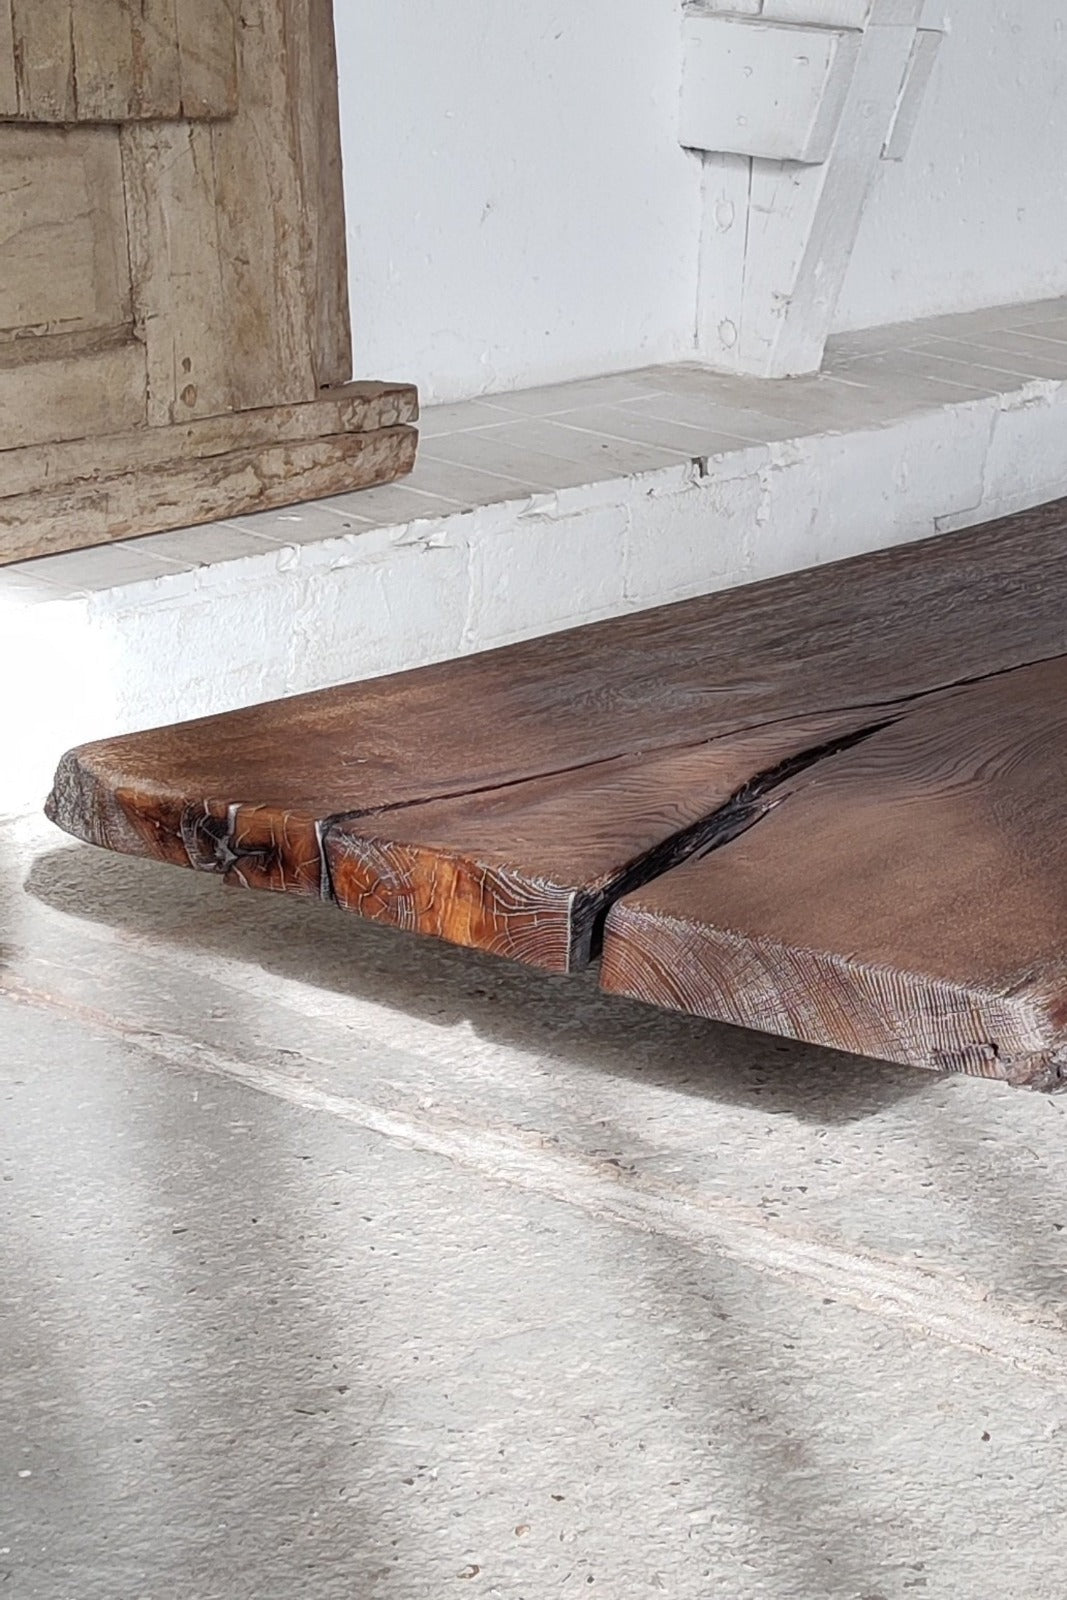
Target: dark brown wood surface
{"x": 906, "y": 899}
{"x": 505, "y": 800}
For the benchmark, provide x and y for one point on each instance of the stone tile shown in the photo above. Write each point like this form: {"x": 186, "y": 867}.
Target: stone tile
{"x": 191, "y": 547}
{"x": 102, "y": 567}
{"x": 467, "y": 486}
{"x": 967, "y": 370}
{"x": 503, "y": 450}
{"x": 438, "y": 421}
{"x": 623, "y": 422}
{"x": 609, "y": 390}
{"x": 698, "y": 412}
{"x": 601, "y": 455}
{"x": 1013, "y": 354}
{"x": 305, "y": 523}
{"x": 1050, "y": 328}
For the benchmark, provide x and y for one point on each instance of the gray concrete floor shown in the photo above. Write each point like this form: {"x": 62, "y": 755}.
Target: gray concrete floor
{"x": 338, "y": 1265}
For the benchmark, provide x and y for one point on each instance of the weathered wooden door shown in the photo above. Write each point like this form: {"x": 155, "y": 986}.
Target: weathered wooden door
{"x": 174, "y": 327}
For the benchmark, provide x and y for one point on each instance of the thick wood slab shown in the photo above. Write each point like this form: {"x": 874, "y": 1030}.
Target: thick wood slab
{"x": 906, "y": 899}
{"x": 505, "y": 800}
{"x": 87, "y": 491}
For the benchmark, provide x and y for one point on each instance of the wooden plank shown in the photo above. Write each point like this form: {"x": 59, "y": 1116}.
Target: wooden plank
{"x": 575, "y": 766}
{"x": 63, "y": 258}
{"x": 423, "y": 866}
{"x": 237, "y": 228}
{"x": 528, "y": 870}
{"x": 904, "y": 900}
{"x": 353, "y": 408}
{"x": 180, "y": 301}
{"x": 44, "y": 59}
{"x": 156, "y": 59}
{"x": 316, "y": 119}
{"x": 109, "y": 272}
{"x": 752, "y": 88}
{"x": 208, "y": 58}
{"x": 770, "y": 311}
{"x": 264, "y": 238}
{"x": 9, "y": 92}
{"x": 190, "y": 490}
{"x": 102, "y": 42}
{"x": 110, "y": 61}
{"x": 95, "y": 390}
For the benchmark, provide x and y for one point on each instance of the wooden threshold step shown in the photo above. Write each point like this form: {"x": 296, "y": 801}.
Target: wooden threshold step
{"x": 83, "y": 491}
{"x": 508, "y": 801}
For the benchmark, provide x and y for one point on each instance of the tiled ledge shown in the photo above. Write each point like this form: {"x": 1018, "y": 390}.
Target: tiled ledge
{"x": 536, "y": 510}
{"x": 511, "y": 449}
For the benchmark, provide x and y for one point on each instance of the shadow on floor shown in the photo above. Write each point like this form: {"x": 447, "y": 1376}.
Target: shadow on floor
{"x": 504, "y": 1004}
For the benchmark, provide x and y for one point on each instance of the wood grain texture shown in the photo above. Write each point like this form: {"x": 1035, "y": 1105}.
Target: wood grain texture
{"x": 9, "y": 89}
{"x": 264, "y": 239}
{"x": 237, "y": 241}
{"x": 44, "y": 60}
{"x": 316, "y": 116}
{"x": 48, "y": 394}
{"x": 101, "y": 38}
{"x": 114, "y": 61}
{"x": 207, "y": 55}
{"x": 157, "y": 74}
{"x": 905, "y": 900}
{"x": 182, "y": 488}
{"x": 174, "y": 330}
{"x": 354, "y": 408}
{"x": 507, "y": 799}
{"x": 528, "y": 870}
{"x": 180, "y": 303}
{"x": 525, "y": 869}
{"x": 63, "y": 256}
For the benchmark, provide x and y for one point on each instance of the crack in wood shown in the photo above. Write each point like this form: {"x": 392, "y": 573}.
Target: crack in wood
{"x": 743, "y": 810}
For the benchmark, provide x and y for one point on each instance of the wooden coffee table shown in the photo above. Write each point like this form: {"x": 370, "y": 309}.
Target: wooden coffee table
{"x": 829, "y": 806}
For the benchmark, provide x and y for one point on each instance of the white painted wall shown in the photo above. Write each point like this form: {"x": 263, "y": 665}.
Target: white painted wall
{"x": 519, "y": 208}
{"x": 975, "y": 215}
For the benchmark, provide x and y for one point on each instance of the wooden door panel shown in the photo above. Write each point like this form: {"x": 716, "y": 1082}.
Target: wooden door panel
{"x": 246, "y": 305}
{"x": 180, "y": 306}
{"x": 64, "y": 387}
{"x": 173, "y": 274}
{"x": 44, "y": 75}
{"x": 271, "y": 262}
{"x": 71, "y": 61}
{"x": 64, "y": 262}
{"x": 207, "y": 57}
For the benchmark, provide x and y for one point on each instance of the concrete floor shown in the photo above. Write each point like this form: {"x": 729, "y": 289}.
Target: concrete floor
{"x": 338, "y": 1266}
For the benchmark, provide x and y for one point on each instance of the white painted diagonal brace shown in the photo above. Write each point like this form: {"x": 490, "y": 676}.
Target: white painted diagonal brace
{"x": 778, "y": 234}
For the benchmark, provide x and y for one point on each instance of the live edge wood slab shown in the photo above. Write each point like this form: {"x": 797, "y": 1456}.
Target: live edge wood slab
{"x": 828, "y": 806}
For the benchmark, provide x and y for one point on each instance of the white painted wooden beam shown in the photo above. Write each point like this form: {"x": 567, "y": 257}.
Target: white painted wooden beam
{"x": 756, "y": 88}
{"x": 913, "y": 93}
{"x": 778, "y": 233}
{"x": 819, "y": 13}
